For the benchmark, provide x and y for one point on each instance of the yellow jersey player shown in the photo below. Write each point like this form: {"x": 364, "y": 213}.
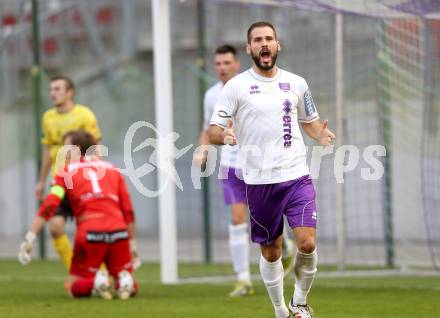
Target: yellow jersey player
{"x": 63, "y": 117}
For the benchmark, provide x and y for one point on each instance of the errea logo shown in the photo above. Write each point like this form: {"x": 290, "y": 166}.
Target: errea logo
{"x": 287, "y": 106}
{"x": 287, "y": 124}
{"x": 254, "y": 89}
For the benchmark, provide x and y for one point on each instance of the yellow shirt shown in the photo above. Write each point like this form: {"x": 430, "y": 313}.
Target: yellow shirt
{"x": 56, "y": 124}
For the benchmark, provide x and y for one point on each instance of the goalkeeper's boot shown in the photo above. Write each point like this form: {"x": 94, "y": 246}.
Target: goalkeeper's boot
{"x": 300, "y": 311}
{"x": 126, "y": 285}
{"x": 102, "y": 286}
{"x": 288, "y": 260}
{"x": 242, "y": 288}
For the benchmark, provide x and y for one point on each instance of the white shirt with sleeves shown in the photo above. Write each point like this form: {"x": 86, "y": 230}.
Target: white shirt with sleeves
{"x": 266, "y": 112}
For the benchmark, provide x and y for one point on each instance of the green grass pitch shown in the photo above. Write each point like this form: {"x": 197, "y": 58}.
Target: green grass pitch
{"x": 37, "y": 291}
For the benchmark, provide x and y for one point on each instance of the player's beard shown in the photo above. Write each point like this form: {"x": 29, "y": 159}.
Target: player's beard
{"x": 264, "y": 67}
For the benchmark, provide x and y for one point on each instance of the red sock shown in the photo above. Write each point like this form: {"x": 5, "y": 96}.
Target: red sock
{"x": 82, "y": 287}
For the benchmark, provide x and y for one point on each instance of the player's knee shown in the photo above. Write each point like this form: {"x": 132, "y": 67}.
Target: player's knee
{"x": 307, "y": 245}
{"x": 239, "y": 213}
{"x": 56, "y": 228}
{"x": 271, "y": 253}
{"x": 238, "y": 219}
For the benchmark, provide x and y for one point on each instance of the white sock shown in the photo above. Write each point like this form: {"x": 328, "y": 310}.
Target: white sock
{"x": 305, "y": 270}
{"x": 239, "y": 248}
{"x": 272, "y": 274}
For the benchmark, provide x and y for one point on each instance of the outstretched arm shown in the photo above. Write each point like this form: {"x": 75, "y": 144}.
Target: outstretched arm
{"x": 37, "y": 225}
{"x": 45, "y": 212}
{"x": 216, "y": 135}
{"x": 24, "y": 255}
{"x": 319, "y": 132}
{"x": 220, "y": 136}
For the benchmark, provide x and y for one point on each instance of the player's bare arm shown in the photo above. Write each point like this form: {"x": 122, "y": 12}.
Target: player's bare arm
{"x": 216, "y": 135}
{"x": 220, "y": 136}
{"x": 319, "y": 132}
{"x": 201, "y": 155}
{"x": 37, "y": 225}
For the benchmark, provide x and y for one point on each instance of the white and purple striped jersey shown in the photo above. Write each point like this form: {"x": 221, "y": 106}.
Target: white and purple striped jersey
{"x": 266, "y": 112}
{"x": 229, "y": 154}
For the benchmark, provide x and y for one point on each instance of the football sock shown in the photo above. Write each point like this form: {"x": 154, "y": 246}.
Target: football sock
{"x": 63, "y": 248}
{"x": 82, "y": 287}
{"x": 272, "y": 274}
{"x": 239, "y": 248}
{"x": 305, "y": 270}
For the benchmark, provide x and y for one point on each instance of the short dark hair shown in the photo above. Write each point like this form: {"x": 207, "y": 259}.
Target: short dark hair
{"x": 260, "y": 24}
{"x": 81, "y": 138}
{"x": 69, "y": 83}
{"x": 226, "y": 48}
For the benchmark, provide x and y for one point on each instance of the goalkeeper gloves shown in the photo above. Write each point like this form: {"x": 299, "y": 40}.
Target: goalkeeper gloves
{"x": 136, "y": 261}
{"x": 24, "y": 255}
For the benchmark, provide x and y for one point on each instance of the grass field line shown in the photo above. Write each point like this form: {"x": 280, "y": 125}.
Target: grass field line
{"x": 376, "y": 286}
{"x": 60, "y": 279}
{"x": 333, "y": 274}
{"x": 380, "y": 273}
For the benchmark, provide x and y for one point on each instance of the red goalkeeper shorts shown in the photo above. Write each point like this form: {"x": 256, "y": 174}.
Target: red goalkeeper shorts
{"x": 88, "y": 256}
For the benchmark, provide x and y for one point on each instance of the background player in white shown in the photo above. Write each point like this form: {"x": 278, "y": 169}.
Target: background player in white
{"x": 227, "y": 65}
{"x": 266, "y": 103}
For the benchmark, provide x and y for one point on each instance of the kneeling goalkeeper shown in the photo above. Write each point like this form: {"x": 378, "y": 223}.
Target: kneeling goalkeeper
{"x": 104, "y": 217}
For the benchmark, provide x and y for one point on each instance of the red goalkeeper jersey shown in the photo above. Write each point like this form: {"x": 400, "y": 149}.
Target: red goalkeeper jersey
{"x": 97, "y": 195}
